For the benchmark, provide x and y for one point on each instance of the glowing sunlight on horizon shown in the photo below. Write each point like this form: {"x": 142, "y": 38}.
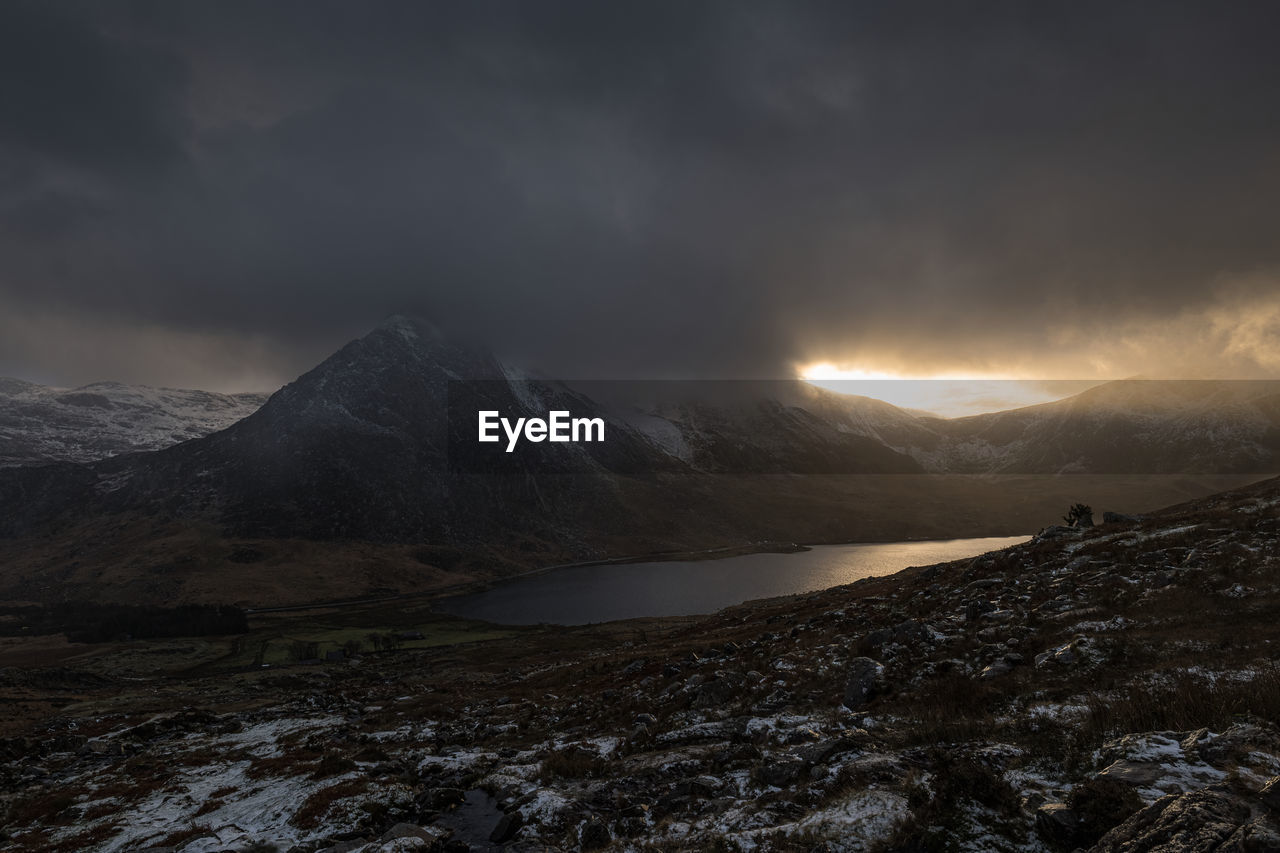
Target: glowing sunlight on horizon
{"x": 947, "y": 395}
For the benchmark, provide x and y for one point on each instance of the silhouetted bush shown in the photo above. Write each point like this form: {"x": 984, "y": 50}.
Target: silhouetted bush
{"x": 1080, "y": 515}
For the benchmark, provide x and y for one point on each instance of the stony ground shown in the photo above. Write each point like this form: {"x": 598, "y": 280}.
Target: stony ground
{"x": 1113, "y": 689}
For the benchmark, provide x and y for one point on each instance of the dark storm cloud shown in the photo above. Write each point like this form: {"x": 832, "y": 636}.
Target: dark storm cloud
{"x": 630, "y": 188}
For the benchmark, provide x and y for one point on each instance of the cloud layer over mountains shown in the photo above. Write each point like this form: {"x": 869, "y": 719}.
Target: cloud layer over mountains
{"x": 216, "y": 195}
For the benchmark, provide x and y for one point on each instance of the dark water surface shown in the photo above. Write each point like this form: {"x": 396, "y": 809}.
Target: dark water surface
{"x": 577, "y": 596}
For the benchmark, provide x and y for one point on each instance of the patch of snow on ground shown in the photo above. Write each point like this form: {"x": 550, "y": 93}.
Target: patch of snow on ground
{"x": 771, "y": 725}
{"x": 852, "y": 825}
{"x": 263, "y": 739}
{"x": 545, "y": 806}
{"x": 1174, "y": 770}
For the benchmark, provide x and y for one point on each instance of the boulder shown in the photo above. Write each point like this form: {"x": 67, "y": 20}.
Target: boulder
{"x": 1100, "y": 805}
{"x": 507, "y": 827}
{"x": 904, "y": 633}
{"x": 779, "y": 774}
{"x": 406, "y": 837}
{"x": 974, "y": 609}
{"x": 1139, "y": 774}
{"x": 594, "y": 835}
{"x": 704, "y": 787}
{"x": 345, "y": 846}
{"x": 995, "y": 670}
{"x": 1055, "y": 531}
{"x": 713, "y": 694}
{"x": 443, "y": 799}
{"x": 1057, "y": 824}
{"x": 824, "y": 750}
{"x": 1078, "y": 651}
{"x": 950, "y": 665}
{"x": 1000, "y": 616}
{"x": 408, "y": 830}
{"x": 1120, "y": 518}
{"x": 1236, "y": 745}
{"x": 1270, "y": 794}
{"x": 1204, "y": 820}
{"x": 866, "y": 680}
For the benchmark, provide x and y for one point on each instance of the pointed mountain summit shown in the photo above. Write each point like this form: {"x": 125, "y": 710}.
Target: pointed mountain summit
{"x": 359, "y": 448}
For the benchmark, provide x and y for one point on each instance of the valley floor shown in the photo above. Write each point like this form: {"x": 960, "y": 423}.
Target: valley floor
{"x": 1113, "y": 689}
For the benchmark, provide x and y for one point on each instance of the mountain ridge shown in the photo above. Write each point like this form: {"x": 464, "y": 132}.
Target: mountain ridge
{"x": 361, "y": 455}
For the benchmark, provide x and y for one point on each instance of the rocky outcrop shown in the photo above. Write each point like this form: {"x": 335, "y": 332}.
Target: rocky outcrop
{"x": 1215, "y": 819}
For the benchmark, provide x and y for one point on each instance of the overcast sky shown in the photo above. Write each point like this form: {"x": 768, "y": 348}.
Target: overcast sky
{"x": 218, "y": 194}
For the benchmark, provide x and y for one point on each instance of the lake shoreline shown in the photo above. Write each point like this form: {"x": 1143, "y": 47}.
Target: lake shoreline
{"x": 694, "y": 583}
{"x": 479, "y": 585}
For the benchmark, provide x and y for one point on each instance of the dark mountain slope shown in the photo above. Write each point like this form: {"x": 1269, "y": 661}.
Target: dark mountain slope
{"x": 358, "y": 448}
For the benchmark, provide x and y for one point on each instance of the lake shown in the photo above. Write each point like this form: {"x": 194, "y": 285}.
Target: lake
{"x": 580, "y": 595}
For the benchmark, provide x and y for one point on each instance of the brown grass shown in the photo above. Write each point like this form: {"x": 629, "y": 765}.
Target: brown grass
{"x": 289, "y": 764}
{"x": 937, "y": 811}
{"x": 951, "y": 709}
{"x": 81, "y": 841}
{"x": 332, "y": 765}
{"x": 318, "y": 804}
{"x": 210, "y": 805}
{"x": 1185, "y": 702}
{"x": 571, "y": 762}
{"x": 48, "y": 808}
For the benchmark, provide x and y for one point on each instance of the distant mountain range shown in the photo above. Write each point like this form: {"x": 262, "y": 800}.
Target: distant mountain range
{"x": 43, "y": 424}
{"x": 1121, "y": 427}
{"x": 1124, "y": 427}
{"x": 360, "y": 453}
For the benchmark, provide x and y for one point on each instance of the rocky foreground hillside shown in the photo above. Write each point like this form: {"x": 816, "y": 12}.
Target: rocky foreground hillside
{"x": 1109, "y": 689}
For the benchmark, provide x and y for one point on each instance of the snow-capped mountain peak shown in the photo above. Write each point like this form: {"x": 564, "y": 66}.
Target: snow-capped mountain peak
{"x": 40, "y": 423}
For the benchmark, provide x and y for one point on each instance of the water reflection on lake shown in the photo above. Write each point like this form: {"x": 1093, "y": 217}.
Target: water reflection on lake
{"x": 576, "y": 596}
